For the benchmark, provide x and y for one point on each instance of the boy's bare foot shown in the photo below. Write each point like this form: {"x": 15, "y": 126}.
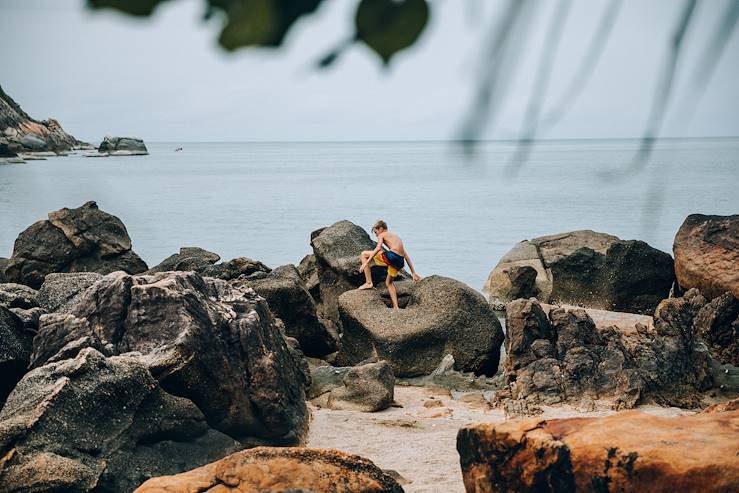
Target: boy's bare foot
{"x": 366, "y": 285}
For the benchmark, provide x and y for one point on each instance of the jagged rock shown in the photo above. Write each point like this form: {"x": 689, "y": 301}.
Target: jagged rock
{"x": 13, "y": 295}
{"x": 15, "y": 351}
{"x": 706, "y": 252}
{"x": 123, "y": 146}
{"x": 189, "y": 258}
{"x": 280, "y": 470}
{"x": 626, "y": 452}
{"x": 3, "y": 265}
{"x": 201, "y": 339}
{"x": 289, "y": 299}
{"x": 564, "y": 357}
{"x": 29, "y": 317}
{"x": 337, "y": 249}
{"x": 99, "y": 424}
{"x": 718, "y": 324}
{"x": 367, "y": 388}
{"x": 234, "y": 268}
{"x": 60, "y": 291}
{"x": 308, "y": 270}
{"x": 22, "y": 133}
{"x": 84, "y": 239}
{"x": 439, "y": 316}
{"x": 584, "y": 268}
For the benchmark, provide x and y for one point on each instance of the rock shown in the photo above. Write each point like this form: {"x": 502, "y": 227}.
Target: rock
{"x": 439, "y": 316}
{"x": 366, "y": 388}
{"x": 584, "y": 268}
{"x": 201, "y": 339}
{"x": 60, "y": 291}
{"x": 123, "y": 146}
{"x": 706, "y": 252}
{"x": 446, "y": 377}
{"x": 84, "y": 239}
{"x": 34, "y": 143}
{"x": 3, "y": 265}
{"x": 13, "y": 295}
{"x": 308, "y": 271}
{"x": 337, "y": 249}
{"x": 280, "y": 470}
{"x": 564, "y": 357}
{"x": 99, "y": 424}
{"x": 718, "y": 324}
{"x": 234, "y": 268}
{"x": 15, "y": 351}
{"x": 189, "y": 258}
{"x": 29, "y": 317}
{"x": 626, "y": 452}
{"x": 289, "y": 299}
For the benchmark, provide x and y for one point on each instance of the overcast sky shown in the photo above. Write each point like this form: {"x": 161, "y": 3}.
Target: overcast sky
{"x": 165, "y": 79}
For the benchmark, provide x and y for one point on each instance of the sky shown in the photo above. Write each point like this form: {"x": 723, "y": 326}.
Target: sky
{"x": 165, "y": 78}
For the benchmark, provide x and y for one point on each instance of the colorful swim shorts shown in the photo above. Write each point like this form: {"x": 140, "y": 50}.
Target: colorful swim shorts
{"x": 391, "y": 260}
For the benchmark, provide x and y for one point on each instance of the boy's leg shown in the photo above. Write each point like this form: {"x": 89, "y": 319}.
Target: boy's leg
{"x": 367, "y": 270}
{"x": 392, "y": 291}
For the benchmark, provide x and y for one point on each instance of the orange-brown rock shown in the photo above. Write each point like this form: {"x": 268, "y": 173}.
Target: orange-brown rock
{"x": 626, "y": 452}
{"x": 278, "y": 470}
{"x": 706, "y": 252}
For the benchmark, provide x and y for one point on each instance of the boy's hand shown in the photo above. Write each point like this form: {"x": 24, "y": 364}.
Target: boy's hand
{"x": 416, "y": 277}
{"x": 362, "y": 267}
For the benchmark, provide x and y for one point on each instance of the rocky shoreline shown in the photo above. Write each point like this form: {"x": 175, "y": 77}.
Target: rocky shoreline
{"x": 119, "y": 376}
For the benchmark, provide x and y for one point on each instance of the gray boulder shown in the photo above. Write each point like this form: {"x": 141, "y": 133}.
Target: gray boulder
{"x": 14, "y": 295}
{"x": 563, "y": 357}
{"x": 84, "y": 239}
{"x": 34, "y": 143}
{"x": 189, "y": 258}
{"x": 289, "y": 299}
{"x": 201, "y": 339}
{"x": 99, "y": 424}
{"x": 308, "y": 271}
{"x": 366, "y": 388}
{"x": 3, "y": 265}
{"x": 60, "y": 291}
{"x": 584, "y": 268}
{"x": 439, "y": 316}
{"x": 717, "y": 323}
{"x": 15, "y": 351}
{"x": 123, "y": 146}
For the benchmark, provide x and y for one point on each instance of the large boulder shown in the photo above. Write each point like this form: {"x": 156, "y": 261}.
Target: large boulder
{"x": 34, "y": 143}
{"x": 439, "y": 316}
{"x": 15, "y": 351}
{"x": 337, "y": 249}
{"x": 717, "y": 323}
{"x": 628, "y": 452}
{"x": 84, "y": 239}
{"x": 61, "y": 290}
{"x": 563, "y": 357}
{"x": 280, "y": 470}
{"x": 367, "y": 388}
{"x": 201, "y": 339}
{"x": 289, "y": 299}
{"x": 123, "y": 146}
{"x": 98, "y": 424}
{"x": 706, "y": 252}
{"x": 204, "y": 263}
{"x": 584, "y": 268}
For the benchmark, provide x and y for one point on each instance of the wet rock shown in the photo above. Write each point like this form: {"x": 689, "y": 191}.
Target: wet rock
{"x": 337, "y": 249}
{"x": 60, "y": 291}
{"x": 706, "y": 252}
{"x": 439, "y": 316}
{"x": 15, "y": 351}
{"x": 289, "y": 299}
{"x": 99, "y": 424}
{"x": 563, "y": 357}
{"x": 123, "y": 146}
{"x": 189, "y": 258}
{"x": 13, "y": 295}
{"x": 584, "y": 268}
{"x": 281, "y": 470}
{"x": 201, "y": 339}
{"x": 718, "y": 324}
{"x": 626, "y": 452}
{"x": 84, "y": 239}
{"x": 366, "y": 388}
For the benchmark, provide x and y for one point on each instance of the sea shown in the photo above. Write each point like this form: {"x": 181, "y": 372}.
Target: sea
{"x": 457, "y": 209}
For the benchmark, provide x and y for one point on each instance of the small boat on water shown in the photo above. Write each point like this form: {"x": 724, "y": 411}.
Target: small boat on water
{"x": 178, "y": 149}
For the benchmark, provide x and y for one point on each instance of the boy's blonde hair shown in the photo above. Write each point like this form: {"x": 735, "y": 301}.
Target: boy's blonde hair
{"x": 380, "y": 224}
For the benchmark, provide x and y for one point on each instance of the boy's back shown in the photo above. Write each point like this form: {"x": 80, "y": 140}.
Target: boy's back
{"x": 393, "y": 242}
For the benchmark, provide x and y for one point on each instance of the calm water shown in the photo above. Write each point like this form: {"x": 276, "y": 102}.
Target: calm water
{"x": 457, "y": 216}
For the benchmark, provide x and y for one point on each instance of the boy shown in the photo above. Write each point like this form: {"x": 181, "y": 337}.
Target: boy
{"x": 393, "y": 258}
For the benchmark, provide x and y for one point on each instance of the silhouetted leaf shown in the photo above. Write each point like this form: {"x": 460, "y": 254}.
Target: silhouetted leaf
{"x": 388, "y": 26}
{"x": 260, "y": 22}
{"x": 133, "y": 7}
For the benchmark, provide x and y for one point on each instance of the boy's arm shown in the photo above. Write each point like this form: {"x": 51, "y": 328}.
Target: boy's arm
{"x": 380, "y": 240}
{"x": 416, "y": 277}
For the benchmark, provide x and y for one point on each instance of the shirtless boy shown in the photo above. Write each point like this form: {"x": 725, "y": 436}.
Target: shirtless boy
{"x": 394, "y": 258}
